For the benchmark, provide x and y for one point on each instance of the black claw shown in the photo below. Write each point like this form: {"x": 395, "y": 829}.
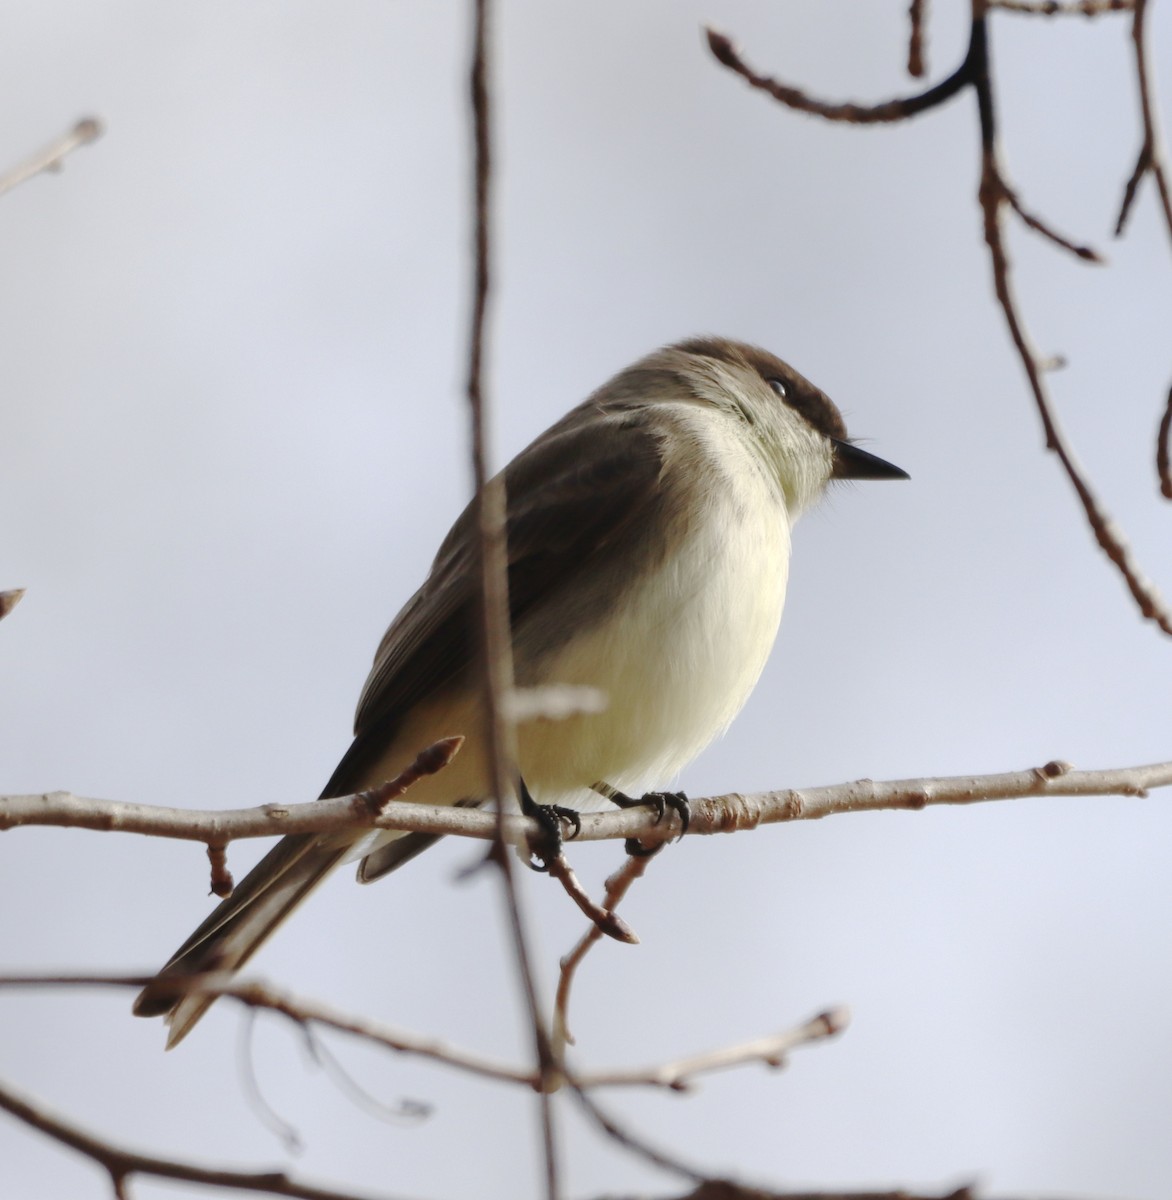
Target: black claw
{"x": 548, "y": 845}
{"x": 676, "y": 801}
{"x": 661, "y": 802}
{"x": 636, "y": 849}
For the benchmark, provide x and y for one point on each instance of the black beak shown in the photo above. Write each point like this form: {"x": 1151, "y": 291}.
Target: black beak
{"x": 852, "y": 463}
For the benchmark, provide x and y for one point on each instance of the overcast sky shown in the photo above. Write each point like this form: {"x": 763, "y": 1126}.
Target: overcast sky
{"x": 233, "y": 435}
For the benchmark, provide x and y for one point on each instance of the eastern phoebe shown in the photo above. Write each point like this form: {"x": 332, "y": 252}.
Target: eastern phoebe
{"x": 648, "y": 545}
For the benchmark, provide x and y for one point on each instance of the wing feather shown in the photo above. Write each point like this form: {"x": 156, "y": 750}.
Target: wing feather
{"x": 577, "y": 497}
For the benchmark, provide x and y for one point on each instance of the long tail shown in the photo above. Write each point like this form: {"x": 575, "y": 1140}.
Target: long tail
{"x": 238, "y": 926}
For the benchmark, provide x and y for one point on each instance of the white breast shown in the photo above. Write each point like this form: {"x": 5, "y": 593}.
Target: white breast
{"x": 682, "y": 652}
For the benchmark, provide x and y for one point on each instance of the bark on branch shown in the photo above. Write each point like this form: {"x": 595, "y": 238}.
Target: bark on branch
{"x": 726, "y": 813}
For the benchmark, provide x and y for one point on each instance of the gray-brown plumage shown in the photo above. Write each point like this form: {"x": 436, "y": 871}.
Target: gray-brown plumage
{"x": 648, "y": 546}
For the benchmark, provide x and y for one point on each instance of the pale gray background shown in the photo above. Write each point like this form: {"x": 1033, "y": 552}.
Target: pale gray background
{"x": 233, "y": 433}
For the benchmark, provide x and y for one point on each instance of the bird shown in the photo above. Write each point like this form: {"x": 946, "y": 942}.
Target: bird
{"x": 648, "y": 544}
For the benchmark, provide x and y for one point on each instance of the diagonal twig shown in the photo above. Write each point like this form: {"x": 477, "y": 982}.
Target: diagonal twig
{"x": 1150, "y": 160}
{"x": 122, "y": 1164}
{"x": 87, "y": 130}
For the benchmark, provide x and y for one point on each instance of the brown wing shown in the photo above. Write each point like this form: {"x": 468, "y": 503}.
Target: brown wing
{"x": 576, "y": 497}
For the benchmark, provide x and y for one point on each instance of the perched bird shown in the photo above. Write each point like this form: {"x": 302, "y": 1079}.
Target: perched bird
{"x": 648, "y": 550}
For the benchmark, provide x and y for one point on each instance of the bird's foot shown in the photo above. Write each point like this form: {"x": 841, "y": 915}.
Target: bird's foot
{"x": 548, "y": 844}
{"x": 661, "y": 802}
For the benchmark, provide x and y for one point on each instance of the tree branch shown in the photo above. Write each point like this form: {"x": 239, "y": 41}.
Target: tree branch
{"x": 994, "y": 194}
{"x": 617, "y": 887}
{"x": 1163, "y": 462}
{"x": 1150, "y": 160}
{"x": 714, "y": 814}
{"x": 87, "y": 130}
{"x": 122, "y": 1164}
{"x": 496, "y": 643}
{"x": 680, "y": 1076}
{"x": 1063, "y": 8}
{"x": 851, "y": 113}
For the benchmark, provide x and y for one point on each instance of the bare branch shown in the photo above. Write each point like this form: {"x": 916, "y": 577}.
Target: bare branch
{"x": 496, "y": 642}
{"x": 363, "y": 810}
{"x": 1151, "y": 153}
{"x": 679, "y": 1076}
{"x": 301, "y": 1010}
{"x": 617, "y": 887}
{"x": 1038, "y": 225}
{"x": 729, "y": 1189}
{"x": 605, "y": 920}
{"x": 311, "y": 1015}
{"x": 994, "y": 194}
{"x": 1062, "y": 8}
{"x": 851, "y": 113}
{"x": 1163, "y": 464}
{"x": 87, "y": 130}
{"x": 917, "y": 66}
{"x": 123, "y": 1164}
{"x": 9, "y": 600}
{"x": 716, "y": 814}
{"x": 619, "y": 1133}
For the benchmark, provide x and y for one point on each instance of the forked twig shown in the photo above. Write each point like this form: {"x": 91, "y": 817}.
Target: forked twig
{"x": 1150, "y": 160}
{"x": 617, "y": 887}
{"x": 994, "y": 194}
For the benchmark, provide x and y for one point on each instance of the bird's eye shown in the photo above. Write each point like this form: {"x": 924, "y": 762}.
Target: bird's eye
{"x": 778, "y": 387}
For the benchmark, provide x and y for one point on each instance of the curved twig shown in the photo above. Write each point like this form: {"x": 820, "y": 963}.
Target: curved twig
{"x": 994, "y": 194}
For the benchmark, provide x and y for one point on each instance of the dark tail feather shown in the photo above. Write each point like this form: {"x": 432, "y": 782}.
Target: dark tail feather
{"x": 238, "y": 927}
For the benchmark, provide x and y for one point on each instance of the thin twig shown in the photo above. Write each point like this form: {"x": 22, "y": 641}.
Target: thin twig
{"x": 917, "y": 66}
{"x": 1038, "y": 225}
{"x": 617, "y": 886}
{"x": 404, "y": 1111}
{"x": 302, "y": 1011}
{"x": 311, "y": 1015}
{"x": 994, "y": 194}
{"x": 493, "y": 560}
{"x": 1163, "y": 465}
{"x": 123, "y": 1164}
{"x": 853, "y": 114}
{"x": 730, "y": 1189}
{"x": 87, "y": 130}
{"x": 715, "y": 814}
{"x": 680, "y": 1076}
{"x": 618, "y": 1132}
{"x": 283, "y": 1130}
{"x": 1062, "y": 8}
{"x": 605, "y": 921}
{"x": 1150, "y": 160}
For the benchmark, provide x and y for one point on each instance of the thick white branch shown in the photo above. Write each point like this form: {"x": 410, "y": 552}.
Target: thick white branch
{"x": 714, "y": 814}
